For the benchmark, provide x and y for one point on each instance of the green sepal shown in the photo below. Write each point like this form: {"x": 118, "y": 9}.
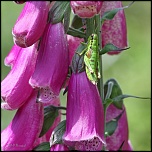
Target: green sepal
{"x": 76, "y": 32}
{"x": 111, "y": 47}
{"x": 45, "y": 146}
{"x": 58, "y": 10}
{"x": 56, "y": 137}
{"x": 123, "y": 96}
{"x": 50, "y": 114}
{"x": 112, "y": 90}
{"x": 109, "y": 15}
{"x": 77, "y": 65}
{"x": 112, "y": 125}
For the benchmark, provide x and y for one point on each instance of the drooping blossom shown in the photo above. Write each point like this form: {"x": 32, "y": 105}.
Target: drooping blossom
{"x": 15, "y": 88}
{"x": 119, "y": 139}
{"x": 84, "y": 131}
{"x": 86, "y": 9}
{"x": 25, "y": 127}
{"x": 12, "y": 56}
{"x": 114, "y": 31}
{"x": 59, "y": 147}
{"x": 31, "y": 23}
{"x": 52, "y": 62}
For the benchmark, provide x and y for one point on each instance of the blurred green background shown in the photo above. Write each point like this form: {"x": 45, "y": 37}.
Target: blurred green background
{"x": 132, "y": 68}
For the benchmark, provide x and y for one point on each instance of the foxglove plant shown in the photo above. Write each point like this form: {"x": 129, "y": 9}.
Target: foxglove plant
{"x": 114, "y": 31}
{"x": 84, "y": 107}
{"x": 47, "y": 52}
{"x": 31, "y": 23}
{"x": 15, "y": 88}
{"x": 120, "y": 136}
{"x": 53, "y": 50}
{"x": 25, "y": 127}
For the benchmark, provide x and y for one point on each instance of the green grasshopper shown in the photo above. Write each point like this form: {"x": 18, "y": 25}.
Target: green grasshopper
{"x": 91, "y": 59}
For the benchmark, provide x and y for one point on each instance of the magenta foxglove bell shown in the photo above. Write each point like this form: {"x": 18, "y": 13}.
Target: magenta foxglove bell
{"x": 86, "y": 9}
{"x": 120, "y": 136}
{"x": 31, "y": 23}
{"x": 25, "y": 127}
{"x": 12, "y": 56}
{"x": 59, "y": 147}
{"x": 52, "y": 62}
{"x": 114, "y": 31}
{"x": 73, "y": 43}
{"x": 15, "y": 88}
{"x": 84, "y": 131}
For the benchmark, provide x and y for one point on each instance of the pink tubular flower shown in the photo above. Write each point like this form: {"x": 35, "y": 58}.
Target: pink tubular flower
{"x": 120, "y": 136}
{"x": 86, "y": 9}
{"x": 46, "y": 137}
{"x": 59, "y": 147}
{"x": 31, "y": 23}
{"x": 84, "y": 131}
{"x": 25, "y": 127}
{"x": 73, "y": 43}
{"x": 52, "y": 62}
{"x": 114, "y": 31}
{"x": 12, "y": 56}
{"x": 15, "y": 88}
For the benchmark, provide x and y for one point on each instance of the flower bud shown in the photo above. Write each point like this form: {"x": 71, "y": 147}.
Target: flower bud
{"x": 25, "y": 127}
{"x": 86, "y": 9}
{"x": 114, "y": 31}
{"x": 15, "y": 88}
{"x": 84, "y": 131}
{"x": 31, "y": 23}
{"x": 52, "y": 62}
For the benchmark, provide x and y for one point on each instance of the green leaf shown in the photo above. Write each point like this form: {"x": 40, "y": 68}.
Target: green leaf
{"x": 45, "y": 146}
{"x": 77, "y": 65}
{"x": 50, "y": 113}
{"x": 123, "y": 96}
{"x": 109, "y": 15}
{"x": 56, "y": 137}
{"x": 116, "y": 91}
{"x": 76, "y": 32}
{"x": 57, "y": 11}
{"x": 67, "y": 18}
{"x": 111, "y": 47}
{"x": 111, "y": 126}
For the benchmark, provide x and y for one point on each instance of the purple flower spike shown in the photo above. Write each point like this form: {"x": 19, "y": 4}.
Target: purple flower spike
{"x": 12, "y": 56}
{"x": 86, "y": 9}
{"x": 31, "y": 23}
{"x": 52, "y": 62}
{"x": 25, "y": 127}
{"x": 114, "y": 31}
{"x": 120, "y": 136}
{"x": 59, "y": 147}
{"x": 15, "y": 88}
{"x": 84, "y": 131}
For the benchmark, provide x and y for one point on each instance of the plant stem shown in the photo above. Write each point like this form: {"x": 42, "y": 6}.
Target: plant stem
{"x": 98, "y": 32}
{"x": 100, "y": 82}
